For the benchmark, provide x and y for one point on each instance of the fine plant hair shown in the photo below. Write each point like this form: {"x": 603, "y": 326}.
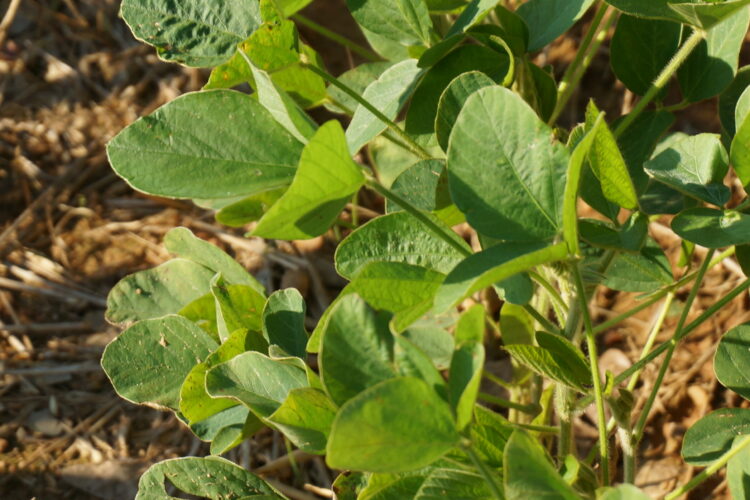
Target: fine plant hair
{"x": 453, "y": 123}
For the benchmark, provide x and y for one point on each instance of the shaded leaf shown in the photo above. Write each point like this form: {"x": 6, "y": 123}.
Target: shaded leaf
{"x": 284, "y": 321}
{"x": 305, "y": 418}
{"x": 732, "y": 360}
{"x": 645, "y": 271}
{"x": 453, "y": 99}
{"x": 712, "y": 436}
{"x": 463, "y": 382}
{"x": 548, "y": 19}
{"x": 713, "y": 228}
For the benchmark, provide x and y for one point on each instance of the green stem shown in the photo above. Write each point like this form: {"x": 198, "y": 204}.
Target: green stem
{"x": 584, "y": 55}
{"x": 675, "y": 107}
{"x": 710, "y": 470}
{"x": 544, "y": 429}
{"x": 497, "y": 380}
{"x": 485, "y": 472}
{"x": 551, "y": 290}
{"x": 652, "y": 338}
{"x": 441, "y": 232}
{"x": 662, "y": 80}
{"x": 341, "y": 40}
{"x": 643, "y": 418}
{"x": 596, "y": 378}
{"x": 530, "y": 409}
{"x": 413, "y": 146}
{"x": 543, "y": 322}
{"x": 565, "y": 437}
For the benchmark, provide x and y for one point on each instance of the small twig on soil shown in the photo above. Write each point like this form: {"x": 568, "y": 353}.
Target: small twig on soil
{"x": 8, "y": 18}
{"x": 44, "y": 371}
{"x": 283, "y": 462}
{"x": 66, "y": 295}
{"x": 292, "y": 493}
{"x": 322, "y": 492}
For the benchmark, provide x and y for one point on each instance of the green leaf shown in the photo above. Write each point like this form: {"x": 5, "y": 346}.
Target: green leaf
{"x": 732, "y": 360}
{"x": 394, "y": 238}
{"x": 742, "y": 254}
{"x": 156, "y": 292}
{"x": 638, "y": 141}
{"x": 192, "y": 475}
{"x": 411, "y": 361}
{"x": 148, "y": 362}
{"x": 529, "y": 474}
{"x": 471, "y": 325}
{"x": 713, "y": 228}
{"x": 555, "y": 358}
{"x": 453, "y": 483}
{"x": 182, "y": 242}
{"x": 740, "y": 152}
{"x": 424, "y": 185}
{"x": 645, "y": 271}
{"x": 227, "y": 429}
{"x": 516, "y": 325}
{"x": 259, "y": 382}
{"x": 387, "y": 94}
{"x": 703, "y": 15}
{"x": 548, "y": 19}
{"x": 348, "y": 485}
{"x": 199, "y": 33}
{"x": 712, "y": 436}
{"x": 729, "y": 98}
{"x": 284, "y": 321}
{"x": 204, "y": 145}
{"x": 326, "y": 179}
{"x": 608, "y": 164}
{"x": 712, "y": 65}
{"x": 388, "y": 486}
{"x": 249, "y": 209}
{"x": 403, "y": 289}
{"x": 621, "y": 492}
{"x": 404, "y": 21}
{"x": 282, "y": 107}
{"x": 471, "y": 15}
{"x": 572, "y": 185}
{"x": 695, "y": 166}
{"x": 490, "y": 266}
{"x": 431, "y": 336}
{"x": 543, "y": 97}
{"x": 463, "y": 382}
{"x": 357, "y": 79}
{"x": 630, "y": 237}
{"x": 489, "y": 434}
{"x": 420, "y": 119}
{"x": 505, "y": 171}
{"x": 511, "y": 28}
{"x": 356, "y": 350}
{"x": 238, "y": 307}
{"x": 742, "y": 109}
{"x": 654, "y": 41}
{"x": 365, "y": 436}
{"x": 273, "y": 46}
{"x": 305, "y": 418}
{"x": 738, "y": 474}
{"x": 453, "y": 99}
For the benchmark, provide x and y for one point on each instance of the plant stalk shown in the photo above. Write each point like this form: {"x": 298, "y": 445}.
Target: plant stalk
{"x": 584, "y": 55}
{"x": 662, "y": 80}
{"x": 543, "y": 322}
{"x": 403, "y": 136}
{"x": 595, "y": 377}
{"x": 643, "y": 418}
{"x": 529, "y": 409}
{"x": 710, "y": 470}
{"x": 341, "y": 40}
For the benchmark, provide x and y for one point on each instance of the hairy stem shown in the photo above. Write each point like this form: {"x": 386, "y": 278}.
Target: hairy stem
{"x": 403, "y": 136}
{"x": 539, "y": 317}
{"x": 662, "y": 80}
{"x": 640, "y": 426}
{"x": 710, "y": 470}
{"x": 341, "y": 40}
{"x": 595, "y": 377}
{"x": 584, "y": 55}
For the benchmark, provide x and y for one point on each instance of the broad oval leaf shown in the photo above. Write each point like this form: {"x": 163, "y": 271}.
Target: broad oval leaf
{"x": 493, "y": 265}
{"x": 257, "y": 381}
{"x": 695, "y": 166}
{"x": 284, "y": 321}
{"x": 654, "y": 41}
{"x": 712, "y": 436}
{"x": 528, "y": 472}
{"x": 713, "y": 228}
{"x": 326, "y": 179}
{"x": 548, "y": 19}
{"x": 156, "y": 292}
{"x": 182, "y": 242}
{"x": 192, "y": 475}
{"x": 205, "y": 145}
{"x": 305, "y": 418}
{"x": 148, "y": 362}
{"x": 732, "y": 360}
{"x": 403, "y": 21}
{"x": 420, "y": 119}
{"x": 198, "y": 33}
{"x": 505, "y": 171}
{"x": 387, "y": 94}
{"x": 424, "y": 185}
{"x": 238, "y": 307}
{"x": 356, "y": 350}
{"x": 398, "y": 425}
{"x": 712, "y": 66}
{"x": 453, "y": 99}
{"x": 395, "y": 237}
